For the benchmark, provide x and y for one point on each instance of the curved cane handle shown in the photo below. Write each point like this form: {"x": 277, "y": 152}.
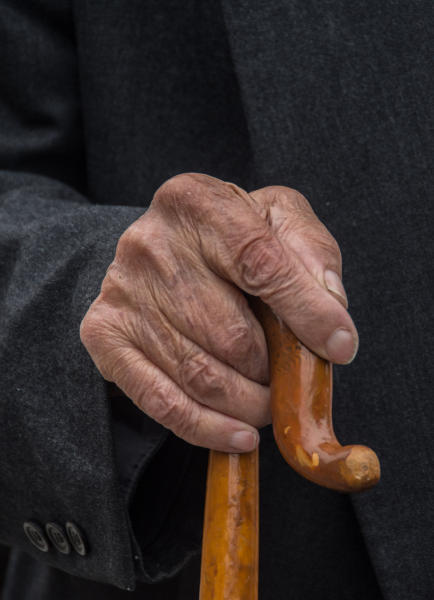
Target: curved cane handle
{"x": 301, "y": 405}
{"x": 301, "y": 399}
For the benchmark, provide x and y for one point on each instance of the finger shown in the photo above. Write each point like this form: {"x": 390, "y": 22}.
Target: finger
{"x": 238, "y": 244}
{"x": 291, "y": 218}
{"x": 203, "y": 307}
{"x": 215, "y": 315}
{"x": 160, "y": 398}
{"x": 199, "y": 374}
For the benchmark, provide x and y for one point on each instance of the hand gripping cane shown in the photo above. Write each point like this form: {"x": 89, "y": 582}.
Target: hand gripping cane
{"x": 301, "y": 405}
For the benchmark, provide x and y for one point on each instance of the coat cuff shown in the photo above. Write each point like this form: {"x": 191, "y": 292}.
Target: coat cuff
{"x": 162, "y": 480}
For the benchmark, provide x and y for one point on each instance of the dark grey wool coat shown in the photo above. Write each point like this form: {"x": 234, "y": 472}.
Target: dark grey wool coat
{"x": 100, "y": 103}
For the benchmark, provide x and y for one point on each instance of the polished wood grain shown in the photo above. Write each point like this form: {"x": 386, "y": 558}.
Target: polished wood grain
{"x": 301, "y": 405}
{"x": 230, "y": 538}
{"x": 301, "y": 401}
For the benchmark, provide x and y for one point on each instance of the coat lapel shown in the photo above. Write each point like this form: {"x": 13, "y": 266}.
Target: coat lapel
{"x": 339, "y": 102}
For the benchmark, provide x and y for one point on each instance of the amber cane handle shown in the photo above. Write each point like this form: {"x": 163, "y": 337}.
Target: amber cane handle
{"x": 301, "y": 406}
{"x": 229, "y": 568}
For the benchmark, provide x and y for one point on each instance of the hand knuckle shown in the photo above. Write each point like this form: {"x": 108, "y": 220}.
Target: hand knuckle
{"x": 141, "y": 252}
{"x": 197, "y": 373}
{"x": 180, "y": 189}
{"x": 160, "y": 402}
{"x": 188, "y": 426}
{"x": 302, "y": 220}
{"x": 169, "y": 409}
{"x": 131, "y": 239}
{"x": 296, "y": 200}
{"x": 235, "y": 343}
{"x": 233, "y": 191}
{"x": 261, "y": 262}
{"x": 288, "y": 197}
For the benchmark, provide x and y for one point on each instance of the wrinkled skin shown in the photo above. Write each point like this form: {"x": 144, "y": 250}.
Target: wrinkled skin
{"x": 171, "y": 326}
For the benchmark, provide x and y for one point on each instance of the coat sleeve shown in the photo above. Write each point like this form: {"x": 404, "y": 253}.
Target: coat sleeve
{"x": 59, "y": 462}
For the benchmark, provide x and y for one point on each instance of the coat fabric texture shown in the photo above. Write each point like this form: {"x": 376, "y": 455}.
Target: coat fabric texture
{"x": 100, "y": 103}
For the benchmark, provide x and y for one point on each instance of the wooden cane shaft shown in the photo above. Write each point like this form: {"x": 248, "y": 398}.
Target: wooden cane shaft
{"x": 301, "y": 400}
{"x": 230, "y": 539}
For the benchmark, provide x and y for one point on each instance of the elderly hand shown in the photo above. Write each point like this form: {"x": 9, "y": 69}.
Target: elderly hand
{"x": 171, "y": 326}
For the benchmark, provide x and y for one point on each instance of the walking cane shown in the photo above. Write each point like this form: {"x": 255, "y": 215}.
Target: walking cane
{"x": 301, "y": 405}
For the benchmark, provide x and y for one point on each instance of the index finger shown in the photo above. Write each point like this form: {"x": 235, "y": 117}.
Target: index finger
{"x": 239, "y": 244}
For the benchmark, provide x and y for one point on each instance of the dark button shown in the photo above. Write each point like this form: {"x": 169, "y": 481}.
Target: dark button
{"x": 58, "y": 538}
{"x": 36, "y": 535}
{"x": 76, "y": 538}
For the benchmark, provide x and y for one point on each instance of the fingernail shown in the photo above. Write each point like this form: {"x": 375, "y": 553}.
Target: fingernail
{"x": 244, "y": 441}
{"x": 342, "y": 346}
{"x": 334, "y": 285}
